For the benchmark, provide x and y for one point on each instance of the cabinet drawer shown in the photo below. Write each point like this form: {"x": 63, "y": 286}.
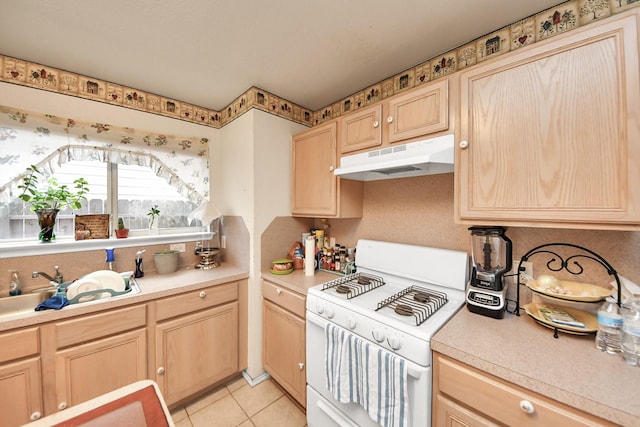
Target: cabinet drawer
{"x": 285, "y": 298}
{"x": 196, "y": 300}
{"x": 87, "y": 328}
{"x": 17, "y": 344}
{"x": 502, "y": 401}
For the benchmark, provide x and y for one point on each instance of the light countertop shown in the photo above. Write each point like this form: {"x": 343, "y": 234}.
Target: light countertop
{"x": 297, "y": 281}
{"x": 152, "y": 286}
{"x": 568, "y": 369}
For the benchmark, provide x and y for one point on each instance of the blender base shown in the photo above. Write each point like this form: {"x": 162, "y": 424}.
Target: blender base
{"x": 496, "y": 314}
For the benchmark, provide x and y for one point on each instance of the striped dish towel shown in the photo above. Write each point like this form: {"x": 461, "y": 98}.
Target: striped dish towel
{"x": 359, "y": 372}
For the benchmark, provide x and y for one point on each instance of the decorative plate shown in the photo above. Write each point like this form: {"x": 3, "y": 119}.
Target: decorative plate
{"x": 590, "y": 321}
{"x": 571, "y": 291}
{"x": 282, "y": 271}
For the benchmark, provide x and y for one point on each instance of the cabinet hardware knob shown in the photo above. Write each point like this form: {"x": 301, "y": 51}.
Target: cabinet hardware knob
{"x": 376, "y": 124}
{"x": 35, "y": 416}
{"x": 278, "y": 291}
{"x": 62, "y": 405}
{"x": 527, "y": 407}
{"x": 203, "y": 294}
{"x": 390, "y": 119}
{"x": 464, "y": 144}
{"x": 331, "y": 168}
{"x": 301, "y": 366}
{"x": 160, "y": 370}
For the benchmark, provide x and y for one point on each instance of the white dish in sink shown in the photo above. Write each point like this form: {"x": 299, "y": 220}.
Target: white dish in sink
{"x": 101, "y": 279}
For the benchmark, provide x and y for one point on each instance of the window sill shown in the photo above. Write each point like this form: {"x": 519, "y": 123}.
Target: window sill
{"x": 67, "y": 245}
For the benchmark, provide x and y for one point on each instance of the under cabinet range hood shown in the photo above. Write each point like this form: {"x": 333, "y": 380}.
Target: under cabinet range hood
{"x": 424, "y": 157}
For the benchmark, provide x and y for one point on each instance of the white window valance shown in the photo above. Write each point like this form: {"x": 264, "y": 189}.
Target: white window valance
{"x": 31, "y": 138}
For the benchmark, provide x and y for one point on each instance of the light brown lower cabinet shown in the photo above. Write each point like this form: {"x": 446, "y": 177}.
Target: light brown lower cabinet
{"x": 21, "y": 392}
{"x": 283, "y": 339}
{"x": 467, "y": 397}
{"x": 196, "y": 336}
{"x": 20, "y": 377}
{"x": 196, "y": 351}
{"x": 188, "y": 343}
{"x": 99, "y": 353}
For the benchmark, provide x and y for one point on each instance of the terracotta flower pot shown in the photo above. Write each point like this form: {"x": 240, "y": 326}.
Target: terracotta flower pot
{"x": 122, "y": 233}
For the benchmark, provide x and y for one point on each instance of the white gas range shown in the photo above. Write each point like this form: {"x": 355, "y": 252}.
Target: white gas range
{"x": 399, "y": 298}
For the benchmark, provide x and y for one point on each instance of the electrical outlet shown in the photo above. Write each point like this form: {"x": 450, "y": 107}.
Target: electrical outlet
{"x": 527, "y": 270}
{"x": 223, "y": 241}
{"x": 180, "y": 247}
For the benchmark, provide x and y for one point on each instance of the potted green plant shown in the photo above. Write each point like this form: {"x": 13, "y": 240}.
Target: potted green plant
{"x": 121, "y": 231}
{"x": 46, "y": 201}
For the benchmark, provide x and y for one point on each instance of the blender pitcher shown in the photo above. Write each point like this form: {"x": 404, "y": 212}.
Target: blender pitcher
{"x": 491, "y": 256}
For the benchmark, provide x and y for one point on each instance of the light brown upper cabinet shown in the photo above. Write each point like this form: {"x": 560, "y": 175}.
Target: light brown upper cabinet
{"x": 415, "y": 113}
{"x": 316, "y": 191}
{"x": 550, "y": 134}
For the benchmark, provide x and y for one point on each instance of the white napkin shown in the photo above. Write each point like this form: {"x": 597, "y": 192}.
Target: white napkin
{"x": 629, "y": 289}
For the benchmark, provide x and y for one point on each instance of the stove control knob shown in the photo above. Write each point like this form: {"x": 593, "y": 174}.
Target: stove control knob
{"x": 319, "y": 308}
{"x": 351, "y": 323}
{"x": 394, "y": 342}
{"x": 329, "y": 312}
{"x": 378, "y": 335}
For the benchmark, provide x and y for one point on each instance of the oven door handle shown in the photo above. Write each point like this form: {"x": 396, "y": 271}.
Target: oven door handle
{"x": 414, "y": 373}
{"x": 334, "y": 415}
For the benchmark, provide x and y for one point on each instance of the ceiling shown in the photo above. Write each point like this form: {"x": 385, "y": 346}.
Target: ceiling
{"x": 208, "y": 52}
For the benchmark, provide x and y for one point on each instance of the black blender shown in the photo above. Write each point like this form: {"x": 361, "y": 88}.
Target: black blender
{"x": 491, "y": 256}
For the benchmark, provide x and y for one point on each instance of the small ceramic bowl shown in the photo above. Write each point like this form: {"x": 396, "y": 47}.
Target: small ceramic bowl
{"x": 282, "y": 266}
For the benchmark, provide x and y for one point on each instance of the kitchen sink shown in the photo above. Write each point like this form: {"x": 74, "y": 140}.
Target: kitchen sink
{"x": 22, "y": 303}
{"x": 27, "y": 303}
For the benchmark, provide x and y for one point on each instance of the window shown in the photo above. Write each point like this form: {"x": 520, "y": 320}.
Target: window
{"x": 137, "y": 190}
{"x": 128, "y": 171}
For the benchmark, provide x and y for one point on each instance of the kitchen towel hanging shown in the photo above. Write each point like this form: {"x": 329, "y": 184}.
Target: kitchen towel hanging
{"x": 359, "y": 372}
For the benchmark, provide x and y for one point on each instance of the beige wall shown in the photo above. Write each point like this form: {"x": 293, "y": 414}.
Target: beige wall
{"x": 251, "y": 179}
{"x": 420, "y": 211}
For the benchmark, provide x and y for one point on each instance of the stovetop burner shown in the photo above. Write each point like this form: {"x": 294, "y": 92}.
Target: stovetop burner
{"x": 415, "y": 301}
{"x": 343, "y": 289}
{"x": 404, "y": 310}
{"x": 421, "y": 297}
{"x": 354, "y": 284}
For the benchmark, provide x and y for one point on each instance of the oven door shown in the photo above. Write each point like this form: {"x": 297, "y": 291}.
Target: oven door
{"x": 324, "y": 411}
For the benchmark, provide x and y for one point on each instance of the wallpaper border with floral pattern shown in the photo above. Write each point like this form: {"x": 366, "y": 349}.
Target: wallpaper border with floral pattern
{"x": 564, "y": 17}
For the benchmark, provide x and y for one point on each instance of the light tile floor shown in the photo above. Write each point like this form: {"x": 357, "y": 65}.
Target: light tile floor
{"x": 238, "y": 404}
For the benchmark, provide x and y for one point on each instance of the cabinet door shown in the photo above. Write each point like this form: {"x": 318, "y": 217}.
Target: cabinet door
{"x": 550, "y": 134}
{"x": 20, "y": 392}
{"x": 97, "y": 367}
{"x": 361, "y": 129}
{"x": 283, "y": 349}
{"x": 315, "y": 186}
{"x": 195, "y": 351}
{"x": 418, "y": 112}
{"x": 447, "y": 413}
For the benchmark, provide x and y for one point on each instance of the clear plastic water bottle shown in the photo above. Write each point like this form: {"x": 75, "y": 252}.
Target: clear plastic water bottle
{"x": 631, "y": 332}
{"x": 609, "y": 335}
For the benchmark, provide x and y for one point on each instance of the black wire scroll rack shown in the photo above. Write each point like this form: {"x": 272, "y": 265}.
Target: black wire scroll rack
{"x": 571, "y": 264}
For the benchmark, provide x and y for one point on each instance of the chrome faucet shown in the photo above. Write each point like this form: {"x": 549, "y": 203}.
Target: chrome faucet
{"x": 57, "y": 278}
